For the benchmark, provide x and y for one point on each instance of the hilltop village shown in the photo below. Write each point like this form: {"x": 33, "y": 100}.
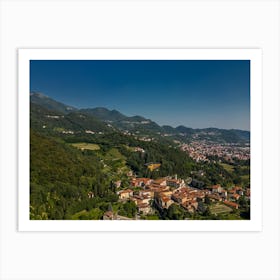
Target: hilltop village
{"x": 156, "y": 196}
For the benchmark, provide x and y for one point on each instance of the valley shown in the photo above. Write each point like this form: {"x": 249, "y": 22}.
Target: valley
{"x": 100, "y": 164}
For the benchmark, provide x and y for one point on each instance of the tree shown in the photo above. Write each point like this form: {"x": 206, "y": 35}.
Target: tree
{"x": 175, "y": 212}
{"x": 129, "y": 209}
{"x": 207, "y": 212}
{"x": 201, "y": 208}
{"x": 207, "y": 200}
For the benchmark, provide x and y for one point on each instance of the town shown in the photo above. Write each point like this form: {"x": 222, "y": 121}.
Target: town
{"x": 201, "y": 150}
{"x": 151, "y": 196}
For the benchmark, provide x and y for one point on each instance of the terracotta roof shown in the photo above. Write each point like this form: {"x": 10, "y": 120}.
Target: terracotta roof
{"x": 159, "y": 181}
{"x": 165, "y": 198}
{"x": 177, "y": 181}
{"x": 215, "y": 186}
{"x": 125, "y": 191}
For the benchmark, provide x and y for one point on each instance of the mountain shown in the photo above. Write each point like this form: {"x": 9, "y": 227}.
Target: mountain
{"x": 168, "y": 129}
{"x": 137, "y": 119}
{"x": 57, "y": 116}
{"x": 215, "y": 134}
{"x": 55, "y": 122}
{"x": 123, "y": 122}
{"x": 104, "y": 114}
{"x": 184, "y": 130}
{"x": 49, "y": 103}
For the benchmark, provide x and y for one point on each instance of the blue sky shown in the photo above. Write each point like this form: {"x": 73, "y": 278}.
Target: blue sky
{"x": 194, "y": 93}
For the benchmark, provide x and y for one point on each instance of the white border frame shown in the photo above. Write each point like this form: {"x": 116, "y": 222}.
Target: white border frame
{"x": 254, "y": 55}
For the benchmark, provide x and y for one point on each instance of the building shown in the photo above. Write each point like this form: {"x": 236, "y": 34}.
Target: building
{"x": 144, "y": 208}
{"x": 216, "y": 188}
{"x": 141, "y": 182}
{"x": 235, "y": 196}
{"x": 175, "y": 183}
{"x": 109, "y": 215}
{"x": 190, "y": 206}
{"x": 224, "y": 194}
{"x": 146, "y": 192}
{"x": 157, "y": 188}
{"x": 138, "y": 199}
{"x": 125, "y": 194}
{"x": 180, "y": 196}
{"x": 138, "y": 149}
{"x": 163, "y": 201}
{"x": 90, "y": 195}
{"x": 214, "y": 197}
{"x": 238, "y": 190}
{"x": 161, "y": 182}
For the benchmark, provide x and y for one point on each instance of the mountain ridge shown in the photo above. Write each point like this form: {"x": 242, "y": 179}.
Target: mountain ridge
{"x": 140, "y": 124}
{"x": 49, "y": 103}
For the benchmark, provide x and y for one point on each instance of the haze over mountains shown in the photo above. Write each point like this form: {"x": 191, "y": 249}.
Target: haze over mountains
{"x": 54, "y": 114}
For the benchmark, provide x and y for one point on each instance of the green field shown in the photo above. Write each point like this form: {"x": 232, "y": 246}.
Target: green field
{"x": 227, "y": 167}
{"x": 245, "y": 179}
{"x": 149, "y": 217}
{"x": 220, "y": 209}
{"x": 86, "y": 146}
{"x": 114, "y": 155}
{"x": 93, "y": 214}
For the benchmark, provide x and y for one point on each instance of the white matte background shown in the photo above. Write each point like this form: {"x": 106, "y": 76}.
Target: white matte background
{"x": 145, "y": 24}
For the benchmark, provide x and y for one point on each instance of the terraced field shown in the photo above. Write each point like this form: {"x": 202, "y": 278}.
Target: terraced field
{"x": 220, "y": 209}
